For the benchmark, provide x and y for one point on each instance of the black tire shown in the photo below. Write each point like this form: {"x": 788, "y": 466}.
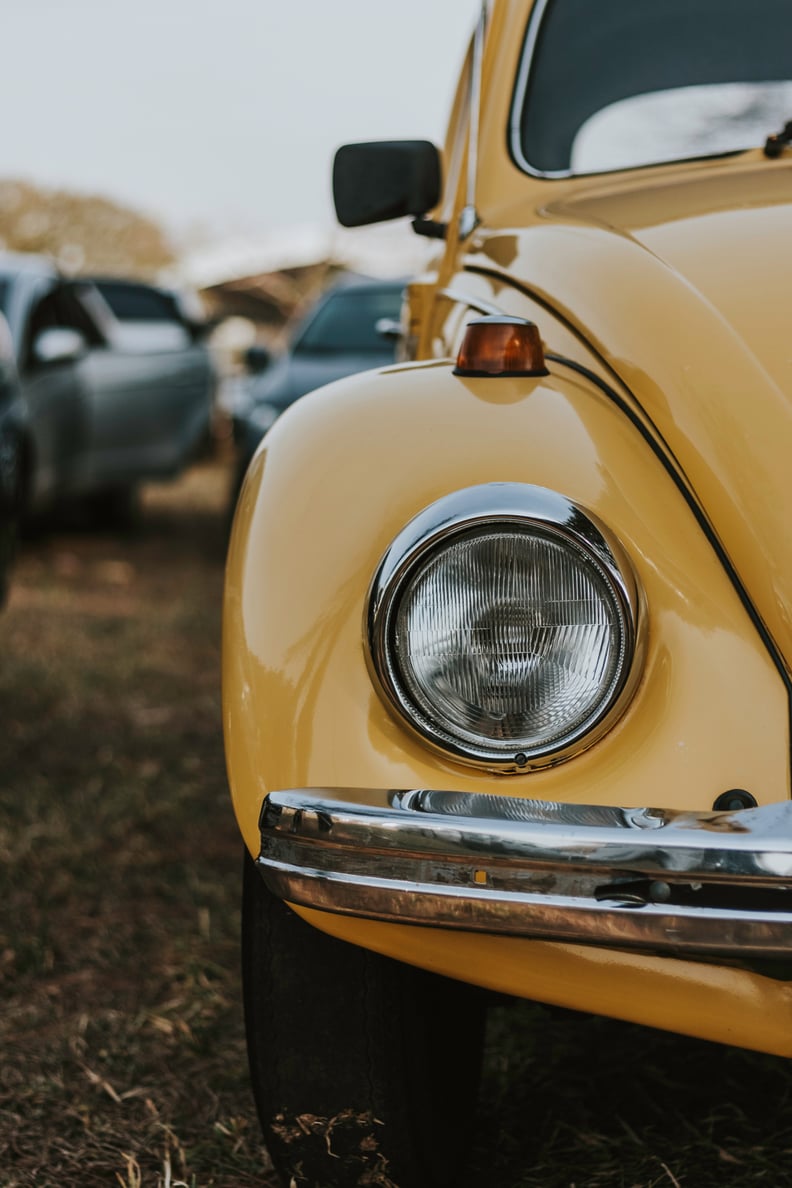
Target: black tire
{"x": 364, "y": 1070}
{"x": 23, "y": 500}
{"x": 10, "y": 514}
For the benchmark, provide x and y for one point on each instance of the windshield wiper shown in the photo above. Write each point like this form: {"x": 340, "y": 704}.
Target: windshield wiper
{"x": 775, "y": 145}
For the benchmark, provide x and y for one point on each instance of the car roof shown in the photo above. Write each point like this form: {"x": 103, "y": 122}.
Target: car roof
{"x": 31, "y": 264}
{"x": 351, "y": 282}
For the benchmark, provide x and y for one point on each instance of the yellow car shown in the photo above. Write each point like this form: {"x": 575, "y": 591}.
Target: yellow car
{"x": 508, "y": 626}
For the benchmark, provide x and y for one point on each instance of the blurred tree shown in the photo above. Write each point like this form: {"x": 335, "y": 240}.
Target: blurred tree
{"x": 81, "y": 232}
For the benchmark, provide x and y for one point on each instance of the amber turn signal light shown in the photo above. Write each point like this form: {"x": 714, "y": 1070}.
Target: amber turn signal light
{"x": 498, "y": 346}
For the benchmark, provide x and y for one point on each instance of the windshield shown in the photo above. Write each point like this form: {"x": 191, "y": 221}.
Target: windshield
{"x": 615, "y": 84}
{"x": 347, "y": 322}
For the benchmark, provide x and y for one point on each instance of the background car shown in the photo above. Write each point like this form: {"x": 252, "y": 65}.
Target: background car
{"x": 117, "y": 381}
{"x": 352, "y": 327}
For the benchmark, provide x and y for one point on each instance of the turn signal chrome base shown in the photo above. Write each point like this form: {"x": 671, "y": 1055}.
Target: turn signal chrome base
{"x": 501, "y": 346}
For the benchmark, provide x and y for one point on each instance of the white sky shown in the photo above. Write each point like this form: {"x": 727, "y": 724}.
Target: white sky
{"x": 227, "y": 113}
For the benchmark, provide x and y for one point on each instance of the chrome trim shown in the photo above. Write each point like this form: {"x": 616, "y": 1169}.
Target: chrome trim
{"x": 487, "y": 308}
{"x": 520, "y": 89}
{"x": 492, "y": 504}
{"x": 468, "y": 216}
{"x": 707, "y": 884}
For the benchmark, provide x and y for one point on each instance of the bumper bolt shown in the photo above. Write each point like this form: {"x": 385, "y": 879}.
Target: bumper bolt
{"x": 734, "y": 800}
{"x": 659, "y": 892}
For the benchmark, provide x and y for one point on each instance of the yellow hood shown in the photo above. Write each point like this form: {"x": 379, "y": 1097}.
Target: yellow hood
{"x": 683, "y": 285}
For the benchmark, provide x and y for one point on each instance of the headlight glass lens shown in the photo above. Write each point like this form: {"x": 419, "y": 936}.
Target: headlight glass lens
{"x": 505, "y": 639}
{"x": 510, "y": 637}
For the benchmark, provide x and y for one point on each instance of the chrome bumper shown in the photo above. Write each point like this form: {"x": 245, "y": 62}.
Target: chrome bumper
{"x": 708, "y": 884}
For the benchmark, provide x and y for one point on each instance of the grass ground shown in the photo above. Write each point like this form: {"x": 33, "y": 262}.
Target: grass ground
{"x": 120, "y": 1023}
{"x": 122, "y": 1047}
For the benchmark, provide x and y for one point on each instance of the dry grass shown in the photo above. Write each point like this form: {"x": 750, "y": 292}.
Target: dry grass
{"x": 572, "y": 1101}
{"x": 123, "y": 1054}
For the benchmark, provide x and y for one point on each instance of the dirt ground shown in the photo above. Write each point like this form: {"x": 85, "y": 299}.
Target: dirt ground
{"x": 121, "y": 1034}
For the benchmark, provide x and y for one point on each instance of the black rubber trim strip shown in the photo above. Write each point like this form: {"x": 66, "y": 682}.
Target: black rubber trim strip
{"x": 701, "y": 520}
{"x": 665, "y": 455}
{"x": 493, "y": 274}
{"x": 468, "y": 373}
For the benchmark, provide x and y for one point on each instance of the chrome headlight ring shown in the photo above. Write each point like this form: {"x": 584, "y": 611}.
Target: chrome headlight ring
{"x": 505, "y": 626}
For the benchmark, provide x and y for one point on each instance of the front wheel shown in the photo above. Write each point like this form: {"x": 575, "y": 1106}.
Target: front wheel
{"x": 364, "y": 1070}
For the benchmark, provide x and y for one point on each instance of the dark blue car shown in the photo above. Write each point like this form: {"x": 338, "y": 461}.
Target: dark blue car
{"x": 352, "y": 327}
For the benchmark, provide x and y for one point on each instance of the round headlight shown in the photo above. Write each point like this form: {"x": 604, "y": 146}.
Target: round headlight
{"x": 503, "y": 624}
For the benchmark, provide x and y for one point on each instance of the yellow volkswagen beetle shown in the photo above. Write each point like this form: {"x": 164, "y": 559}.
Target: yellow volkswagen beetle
{"x": 508, "y": 626}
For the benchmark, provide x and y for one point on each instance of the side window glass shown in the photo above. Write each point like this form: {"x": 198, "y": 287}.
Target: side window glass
{"x": 59, "y": 308}
{"x": 138, "y": 303}
{"x": 135, "y": 317}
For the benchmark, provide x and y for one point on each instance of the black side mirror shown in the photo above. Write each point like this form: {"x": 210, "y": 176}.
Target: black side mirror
{"x": 389, "y": 328}
{"x": 385, "y": 179}
{"x": 257, "y": 358}
{"x": 58, "y": 344}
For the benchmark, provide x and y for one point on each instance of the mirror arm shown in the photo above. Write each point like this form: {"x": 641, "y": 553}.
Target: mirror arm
{"x": 430, "y": 228}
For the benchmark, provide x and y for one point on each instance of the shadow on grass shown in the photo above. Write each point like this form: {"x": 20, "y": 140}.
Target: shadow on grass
{"x": 570, "y": 1099}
